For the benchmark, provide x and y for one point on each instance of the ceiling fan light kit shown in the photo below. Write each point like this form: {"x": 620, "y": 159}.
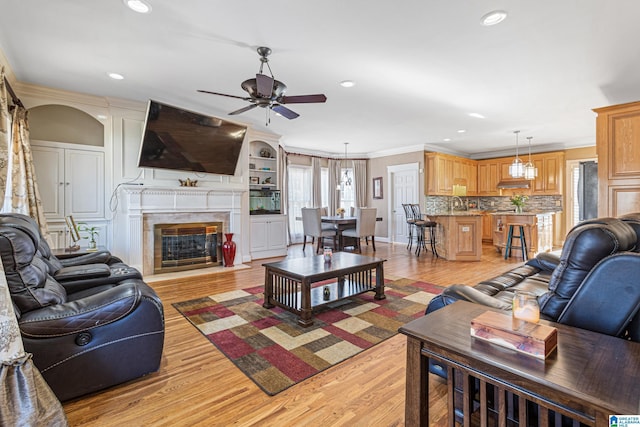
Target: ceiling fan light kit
{"x": 267, "y": 92}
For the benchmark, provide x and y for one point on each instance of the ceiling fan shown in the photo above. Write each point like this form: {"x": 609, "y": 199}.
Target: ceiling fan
{"x": 267, "y": 92}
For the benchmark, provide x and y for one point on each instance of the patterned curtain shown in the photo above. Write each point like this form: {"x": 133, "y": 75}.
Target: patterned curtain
{"x": 25, "y": 398}
{"x": 360, "y": 182}
{"x": 5, "y": 125}
{"x": 24, "y": 196}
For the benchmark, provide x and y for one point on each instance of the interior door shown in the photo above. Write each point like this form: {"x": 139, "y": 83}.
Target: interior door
{"x": 404, "y": 181}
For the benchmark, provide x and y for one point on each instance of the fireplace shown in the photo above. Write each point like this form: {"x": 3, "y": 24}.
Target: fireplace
{"x": 178, "y": 247}
{"x": 143, "y": 207}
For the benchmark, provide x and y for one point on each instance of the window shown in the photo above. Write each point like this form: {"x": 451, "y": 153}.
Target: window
{"x": 299, "y": 197}
{"x": 347, "y": 192}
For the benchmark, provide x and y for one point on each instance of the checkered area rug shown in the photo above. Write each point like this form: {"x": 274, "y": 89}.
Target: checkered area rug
{"x": 271, "y": 348}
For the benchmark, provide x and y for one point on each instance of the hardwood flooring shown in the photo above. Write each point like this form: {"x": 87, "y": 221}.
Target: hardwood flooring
{"x": 198, "y": 386}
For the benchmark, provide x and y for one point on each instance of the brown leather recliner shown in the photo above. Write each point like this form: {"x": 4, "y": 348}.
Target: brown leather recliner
{"x": 82, "y": 340}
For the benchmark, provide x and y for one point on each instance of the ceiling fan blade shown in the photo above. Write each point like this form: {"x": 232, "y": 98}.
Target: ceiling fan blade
{"x": 242, "y": 110}
{"x": 224, "y": 94}
{"x": 302, "y": 99}
{"x": 265, "y": 85}
{"x": 284, "y": 111}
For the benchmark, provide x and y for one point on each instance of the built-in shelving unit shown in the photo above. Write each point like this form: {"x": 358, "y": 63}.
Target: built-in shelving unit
{"x": 263, "y": 166}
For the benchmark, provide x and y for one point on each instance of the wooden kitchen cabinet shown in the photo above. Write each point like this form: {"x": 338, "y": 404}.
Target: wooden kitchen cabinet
{"x": 488, "y": 177}
{"x": 618, "y": 146}
{"x": 550, "y": 177}
{"x": 442, "y": 171}
{"x": 487, "y": 227}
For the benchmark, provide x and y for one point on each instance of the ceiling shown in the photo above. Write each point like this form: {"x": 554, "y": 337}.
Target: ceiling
{"x": 420, "y": 66}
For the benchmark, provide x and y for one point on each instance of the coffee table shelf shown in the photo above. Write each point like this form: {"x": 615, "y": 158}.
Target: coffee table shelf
{"x": 290, "y": 283}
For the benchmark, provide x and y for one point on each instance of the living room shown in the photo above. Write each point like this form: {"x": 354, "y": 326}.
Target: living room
{"x": 123, "y": 193}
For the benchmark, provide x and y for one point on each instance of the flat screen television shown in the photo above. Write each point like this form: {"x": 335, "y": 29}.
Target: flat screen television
{"x": 178, "y": 139}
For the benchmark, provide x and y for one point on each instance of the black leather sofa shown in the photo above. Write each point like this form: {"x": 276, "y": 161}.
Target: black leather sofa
{"x": 84, "y": 336}
{"x": 591, "y": 284}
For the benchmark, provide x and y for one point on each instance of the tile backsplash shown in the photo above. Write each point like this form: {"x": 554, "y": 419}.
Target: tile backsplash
{"x": 435, "y": 204}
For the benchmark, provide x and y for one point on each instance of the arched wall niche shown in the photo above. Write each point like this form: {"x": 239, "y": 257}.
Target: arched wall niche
{"x": 61, "y": 123}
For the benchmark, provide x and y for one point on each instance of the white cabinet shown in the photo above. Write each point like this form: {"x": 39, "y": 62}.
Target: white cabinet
{"x": 268, "y": 236}
{"x": 71, "y": 182}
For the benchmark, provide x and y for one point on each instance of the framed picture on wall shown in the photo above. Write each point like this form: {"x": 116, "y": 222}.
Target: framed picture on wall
{"x": 377, "y": 188}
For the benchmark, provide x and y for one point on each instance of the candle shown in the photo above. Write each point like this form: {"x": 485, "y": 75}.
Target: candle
{"x": 525, "y": 307}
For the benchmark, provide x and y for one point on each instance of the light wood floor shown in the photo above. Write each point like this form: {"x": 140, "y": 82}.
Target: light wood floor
{"x": 198, "y": 386}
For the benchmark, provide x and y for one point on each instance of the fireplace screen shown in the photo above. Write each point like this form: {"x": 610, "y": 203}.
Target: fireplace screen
{"x": 180, "y": 247}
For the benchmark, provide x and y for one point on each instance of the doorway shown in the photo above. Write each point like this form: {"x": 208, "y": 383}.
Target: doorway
{"x": 582, "y": 190}
{"x": 405, "y": 188}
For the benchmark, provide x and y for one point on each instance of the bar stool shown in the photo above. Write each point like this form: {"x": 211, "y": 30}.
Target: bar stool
{"x": 411, "y": 222}
{"x": 521, "y": 237}
{"x": 421, "y": 226}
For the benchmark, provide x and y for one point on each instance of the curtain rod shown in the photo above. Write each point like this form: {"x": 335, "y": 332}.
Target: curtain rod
{"x": 321, "y": 157}
{"x": 14, "y": 97}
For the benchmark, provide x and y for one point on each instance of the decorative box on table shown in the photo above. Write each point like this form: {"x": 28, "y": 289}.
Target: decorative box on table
{"x": 525, "y": 337}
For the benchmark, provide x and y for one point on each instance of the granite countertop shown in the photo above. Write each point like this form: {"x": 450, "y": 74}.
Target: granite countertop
{"x": 471, "y": 212}
{"x": 532, "y": 212}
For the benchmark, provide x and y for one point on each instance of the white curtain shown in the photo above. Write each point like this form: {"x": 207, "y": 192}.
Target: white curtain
{"x": 334, "y": 180}
{"x": 316, "y": 182}
{"x": 283, "y": 170}
{"x": 360, "y": 182}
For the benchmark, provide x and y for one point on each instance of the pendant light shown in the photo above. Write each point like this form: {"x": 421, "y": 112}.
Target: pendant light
{"x": 516, "y": 170}
{"x": 346, "y": 179}
{"x": 530, "y": 170}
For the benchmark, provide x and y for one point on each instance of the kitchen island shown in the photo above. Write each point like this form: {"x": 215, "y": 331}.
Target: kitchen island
{"x": 459, "y": 235}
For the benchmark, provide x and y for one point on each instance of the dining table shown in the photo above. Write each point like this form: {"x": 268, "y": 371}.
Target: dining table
{"x": 341, "y": 223}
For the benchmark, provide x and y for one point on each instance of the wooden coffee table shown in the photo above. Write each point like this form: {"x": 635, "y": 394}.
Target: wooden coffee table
{"x": 289, "y": 283}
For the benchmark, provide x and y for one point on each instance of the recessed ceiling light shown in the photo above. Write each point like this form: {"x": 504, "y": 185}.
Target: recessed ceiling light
{"x": 116, "y": 76}
{"x": 447, "y": 139}
{"x": 477, "y": 115}
{"x": 461, "y": 130}
{"x": 139, "y": 6}
{"x": 494, "y": 17}
{"x": 347, "y": 83}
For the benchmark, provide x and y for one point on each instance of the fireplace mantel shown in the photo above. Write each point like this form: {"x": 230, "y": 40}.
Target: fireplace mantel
{"x": 140, "y": 207}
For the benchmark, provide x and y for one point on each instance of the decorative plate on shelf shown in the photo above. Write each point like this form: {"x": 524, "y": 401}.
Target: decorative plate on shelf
{"x": 265, "y": 153}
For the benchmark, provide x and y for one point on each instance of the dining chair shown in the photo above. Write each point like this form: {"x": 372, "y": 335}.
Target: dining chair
{"x": 312, "y": 226}
{"x": 365, "y": 227}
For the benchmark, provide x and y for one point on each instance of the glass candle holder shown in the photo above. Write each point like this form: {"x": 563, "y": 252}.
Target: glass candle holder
{"x": 525, "y": 307}
{"x": 327, "y": 254}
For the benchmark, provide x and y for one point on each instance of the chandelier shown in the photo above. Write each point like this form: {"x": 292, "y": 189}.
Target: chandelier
{"x": 516, "y": 169}
{"x": 346, "y": 179}
{"x": 530, "y": 170}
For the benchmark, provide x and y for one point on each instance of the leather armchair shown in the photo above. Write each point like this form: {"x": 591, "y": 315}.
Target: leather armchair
{"x": 82, "y": 339}
{"x": 81, "y": 271}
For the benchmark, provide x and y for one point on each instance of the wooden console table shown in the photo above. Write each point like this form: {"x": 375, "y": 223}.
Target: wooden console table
{"x": 289, "y": 283}
{"x": 589, "y": 377}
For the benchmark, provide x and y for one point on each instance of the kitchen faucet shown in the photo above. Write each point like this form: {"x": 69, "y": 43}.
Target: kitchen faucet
{"x": 461, "y": 204}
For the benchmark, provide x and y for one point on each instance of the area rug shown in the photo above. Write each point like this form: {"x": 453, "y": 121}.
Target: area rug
{"x": 271, "y": 348}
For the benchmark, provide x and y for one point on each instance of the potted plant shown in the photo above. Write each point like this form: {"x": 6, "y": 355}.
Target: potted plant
{"x": 92, "y": 231}
{"x": 340, "y": 212}
{"x": 518, "y": 200}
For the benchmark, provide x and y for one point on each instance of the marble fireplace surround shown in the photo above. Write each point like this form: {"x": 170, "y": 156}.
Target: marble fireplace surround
{"x": 142, "y": 207}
